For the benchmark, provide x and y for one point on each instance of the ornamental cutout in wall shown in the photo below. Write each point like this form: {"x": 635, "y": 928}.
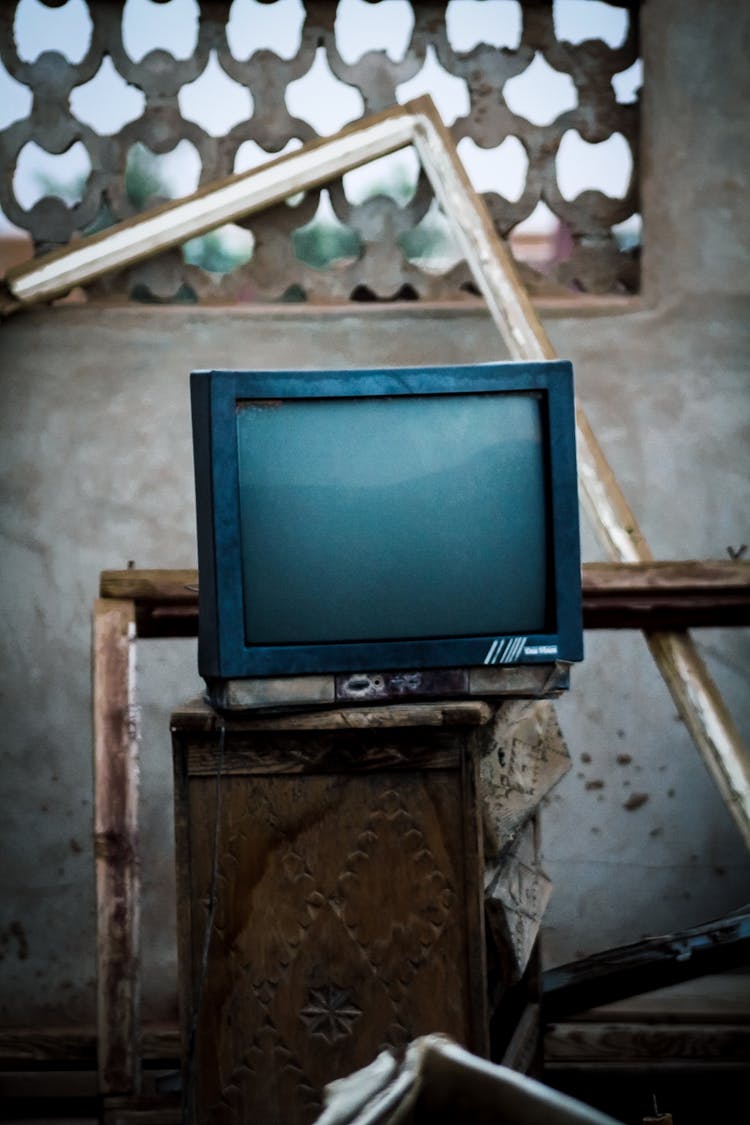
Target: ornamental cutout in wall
{"x": 108, "y": 108}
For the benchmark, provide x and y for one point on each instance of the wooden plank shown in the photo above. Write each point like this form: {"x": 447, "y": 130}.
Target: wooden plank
{"x": 523, "y": 1049}
{"x": 165, "y": 587}
{"x": 651, "y": 1043}
{"x": 464, "y": 713}
{"x": 717, "y": 998}
{"x": 551, "y": 306}
{"x": 646, "y": 596}
{"x": 116, "y": 750}
{"x": 197, "y": 714}
{"x": 232, "y": 198}
{"x": 667, "y": 612}
{"x": 693, "y": 692}
{"x": 656, "y": 962}
{"x": 333, "y": 752}
{"x": 701, "y": 576}
{"x": 159, "y": 1109}
{"x": 666, "y": 595}
{"x": 47, "y": 1045}
{"x": 76, "y": 1046}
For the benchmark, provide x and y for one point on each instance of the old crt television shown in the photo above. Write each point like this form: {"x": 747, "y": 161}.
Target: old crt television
{"x": 381, "y": 519}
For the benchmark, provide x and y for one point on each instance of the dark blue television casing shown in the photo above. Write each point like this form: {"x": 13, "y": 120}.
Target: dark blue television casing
{"x": 224, "y": 652}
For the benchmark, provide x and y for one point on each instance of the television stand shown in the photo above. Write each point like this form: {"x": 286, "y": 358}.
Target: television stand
{"x": 521, "y": 681}
{"x": 335, "y": 868}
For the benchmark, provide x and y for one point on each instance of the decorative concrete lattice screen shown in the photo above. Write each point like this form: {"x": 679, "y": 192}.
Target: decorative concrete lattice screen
{"x": 114, "y": 126}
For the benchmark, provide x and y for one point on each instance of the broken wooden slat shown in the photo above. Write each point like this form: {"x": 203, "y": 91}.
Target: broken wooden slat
{"x": 116, "y": 767}
{"x": 642, "y": 966}
{"x": 666, "y": 595}
{"x": 693, "y": 692}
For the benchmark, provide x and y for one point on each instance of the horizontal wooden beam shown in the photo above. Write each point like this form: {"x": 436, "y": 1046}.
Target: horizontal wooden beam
{"x": 656, "y": 596}
{"x": 642, "y": 966}
{"x": 702, "y": 576}
{"x": 605, "y": 1044}
{"x": 75, "y": 1046}
{"x": 147, "y": 586}
{"x": 650, "y": 596}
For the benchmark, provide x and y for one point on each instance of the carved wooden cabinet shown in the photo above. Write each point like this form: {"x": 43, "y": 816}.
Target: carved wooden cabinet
{"x": 337, "y": 859}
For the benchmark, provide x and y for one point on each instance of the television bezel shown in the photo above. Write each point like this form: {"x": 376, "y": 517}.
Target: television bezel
{"x": 224, "y": 652}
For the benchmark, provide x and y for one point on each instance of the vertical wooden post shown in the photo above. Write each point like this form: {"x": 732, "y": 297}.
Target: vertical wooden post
{"x": 116, "y": 754}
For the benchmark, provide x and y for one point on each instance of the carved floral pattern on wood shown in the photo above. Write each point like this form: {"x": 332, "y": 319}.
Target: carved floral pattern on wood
{"x": 329, "y": 930}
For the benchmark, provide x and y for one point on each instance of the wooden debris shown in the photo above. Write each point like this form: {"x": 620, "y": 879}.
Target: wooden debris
{"x": 516, "y": 895}
{"x": 523, "y": 1050}
{"x": 642, "y": 966}
{"x": 522, "y": 756}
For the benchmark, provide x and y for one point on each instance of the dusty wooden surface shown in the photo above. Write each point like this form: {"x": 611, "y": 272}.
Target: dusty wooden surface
{"x": 116, "y": 841}
{"x": 349, "y": 913}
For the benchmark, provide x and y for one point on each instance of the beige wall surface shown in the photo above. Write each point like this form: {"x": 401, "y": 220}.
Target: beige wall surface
{"x": 96, "y": 457}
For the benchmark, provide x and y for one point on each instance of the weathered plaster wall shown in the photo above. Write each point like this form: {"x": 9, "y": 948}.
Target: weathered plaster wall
{"x": 96, "y": 455}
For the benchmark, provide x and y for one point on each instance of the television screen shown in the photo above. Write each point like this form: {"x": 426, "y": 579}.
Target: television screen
{"x": 385, "y": 519}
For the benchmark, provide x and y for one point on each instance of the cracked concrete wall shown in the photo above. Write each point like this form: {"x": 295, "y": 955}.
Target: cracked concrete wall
{"x": 96, "y": 452}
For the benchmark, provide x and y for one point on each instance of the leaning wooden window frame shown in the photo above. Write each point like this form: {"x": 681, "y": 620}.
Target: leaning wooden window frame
{"x": 418, "y": 124}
